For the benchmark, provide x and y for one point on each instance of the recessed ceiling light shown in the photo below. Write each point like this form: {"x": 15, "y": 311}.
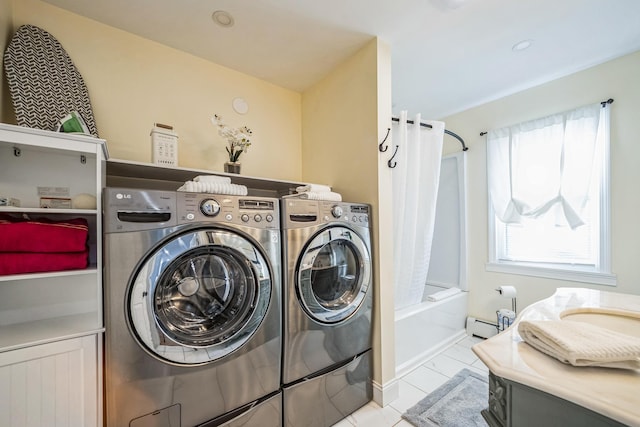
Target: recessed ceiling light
{"x": 522, "y": 45}
{"x": 223, "y": 18}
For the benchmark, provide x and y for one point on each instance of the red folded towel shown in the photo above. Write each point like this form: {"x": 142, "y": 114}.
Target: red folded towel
{"x": 27, "y": 262}
{"x": 43, "y": 235}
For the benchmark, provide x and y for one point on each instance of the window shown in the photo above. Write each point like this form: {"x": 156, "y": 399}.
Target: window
{"x": 548, "y": 182}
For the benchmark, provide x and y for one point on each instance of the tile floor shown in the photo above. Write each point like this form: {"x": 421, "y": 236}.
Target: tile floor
{"x": 417, "y": 384}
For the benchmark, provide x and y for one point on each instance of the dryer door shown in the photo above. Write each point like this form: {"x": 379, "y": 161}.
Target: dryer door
{"x": 333, "y": 275}
{"x": 199, "y": 296}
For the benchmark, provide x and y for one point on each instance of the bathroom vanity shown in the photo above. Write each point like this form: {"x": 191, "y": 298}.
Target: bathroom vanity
{"x": 527, "y": 388}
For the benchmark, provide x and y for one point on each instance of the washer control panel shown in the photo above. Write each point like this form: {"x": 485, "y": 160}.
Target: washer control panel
{"x": 260, "y": 212}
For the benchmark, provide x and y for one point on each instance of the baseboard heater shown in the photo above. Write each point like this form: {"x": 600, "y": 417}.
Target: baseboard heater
{"x": 481, "y": 328}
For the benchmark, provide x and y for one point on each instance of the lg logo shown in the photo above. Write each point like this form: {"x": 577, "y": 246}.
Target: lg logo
{"x": 121, "y": 196}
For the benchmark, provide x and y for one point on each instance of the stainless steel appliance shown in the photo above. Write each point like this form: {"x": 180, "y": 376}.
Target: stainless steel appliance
{"x": 327, "y": 299}
{"x": 192, "y": 309}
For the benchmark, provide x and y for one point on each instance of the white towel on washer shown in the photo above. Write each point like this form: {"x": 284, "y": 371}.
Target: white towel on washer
{"x": 313, "y": 188}
{"x": 214, "y": 187}
{"x": 581, "y": 343}
{"x": 317, "y": 195}
{"x": 212, "y": 178}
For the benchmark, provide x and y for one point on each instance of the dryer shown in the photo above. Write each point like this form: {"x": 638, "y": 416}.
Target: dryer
{"x": 327, "y": 302}
{"x": 192, "y": 309}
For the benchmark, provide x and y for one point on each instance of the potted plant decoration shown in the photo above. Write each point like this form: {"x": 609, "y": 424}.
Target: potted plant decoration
{"x": 238, "y": 142}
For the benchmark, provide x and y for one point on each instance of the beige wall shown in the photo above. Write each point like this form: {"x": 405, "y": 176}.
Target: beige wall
{"x": 384, "y": 315}
{"x": 134, "y": 82}
{"x": 344, "y": 117}
{"x": 6, "y": 30}
{"x": 616, "y": 79}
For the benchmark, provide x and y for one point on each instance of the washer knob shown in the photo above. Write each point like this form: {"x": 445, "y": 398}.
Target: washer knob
{"x": 210, "y": 207}
{"x": 269, "y": 217}
{"x": 244, "y": 218}
{"x": 257, "y": 217}
{"x": 336, "y": 211}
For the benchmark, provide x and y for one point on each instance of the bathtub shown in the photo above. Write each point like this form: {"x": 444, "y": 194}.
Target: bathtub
{"x": 426, "y": 328}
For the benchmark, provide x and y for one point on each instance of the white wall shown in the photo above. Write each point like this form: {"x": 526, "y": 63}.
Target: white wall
{"x": 617, "y": 79}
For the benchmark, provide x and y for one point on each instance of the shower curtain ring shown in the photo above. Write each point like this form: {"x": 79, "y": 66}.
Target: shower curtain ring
{"x": 383, "y": 149}
{"x": 394, "y": 154}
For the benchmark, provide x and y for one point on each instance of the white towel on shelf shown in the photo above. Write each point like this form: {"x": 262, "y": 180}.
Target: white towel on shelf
{"x": 313, "y": 188}
{"x": 212, "y": 178}
{"x": 581, "y": 343}
{"x": 214, "y": 187}
{"x": 437, "y": 296}
{"x": 317, "y": 195}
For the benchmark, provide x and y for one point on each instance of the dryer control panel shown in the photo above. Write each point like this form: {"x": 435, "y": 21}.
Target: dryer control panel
{"x": 259, "y": 212}
{"x": 301, "y": 213}
{"x": 348, "y": 212}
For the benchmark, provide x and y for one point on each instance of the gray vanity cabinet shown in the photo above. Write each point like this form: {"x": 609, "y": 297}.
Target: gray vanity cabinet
{"x": 512, "y": 404}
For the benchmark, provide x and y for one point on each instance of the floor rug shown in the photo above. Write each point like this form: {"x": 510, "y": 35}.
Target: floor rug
{"x": 456, "y": 403}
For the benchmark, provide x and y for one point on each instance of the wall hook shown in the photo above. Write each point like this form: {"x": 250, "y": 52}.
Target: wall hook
{"x": 380, "y": 146}
{"x": 394, "y": 164}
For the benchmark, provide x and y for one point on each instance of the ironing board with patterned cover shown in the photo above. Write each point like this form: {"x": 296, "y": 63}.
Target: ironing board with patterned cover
{"x": 43, "y": 82}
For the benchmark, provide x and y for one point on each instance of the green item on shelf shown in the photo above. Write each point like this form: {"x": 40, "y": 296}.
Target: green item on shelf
{"x": 72, "y": 123}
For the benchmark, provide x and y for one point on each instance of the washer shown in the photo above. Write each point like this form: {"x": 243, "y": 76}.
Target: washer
{"x": 327, "y": 301}
{"x": 192, "y": 309}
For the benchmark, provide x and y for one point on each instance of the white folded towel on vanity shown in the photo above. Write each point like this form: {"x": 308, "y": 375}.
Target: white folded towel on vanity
{"x": 212, "y": 178}
{"x": 214, "y": 187}
{"x": 582, "y": 344}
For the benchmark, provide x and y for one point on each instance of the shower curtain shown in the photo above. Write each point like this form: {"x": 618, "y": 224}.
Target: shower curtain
{"x": 415, "y": 190}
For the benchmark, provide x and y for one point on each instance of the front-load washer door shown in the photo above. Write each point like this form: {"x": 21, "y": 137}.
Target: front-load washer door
{"x": 333, "y": 275}
{"x": 199, "y": 296}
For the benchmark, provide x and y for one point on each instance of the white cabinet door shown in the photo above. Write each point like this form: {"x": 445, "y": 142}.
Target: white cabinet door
{"x": 51, "y": 385}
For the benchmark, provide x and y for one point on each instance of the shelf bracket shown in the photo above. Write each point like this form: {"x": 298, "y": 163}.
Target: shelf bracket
{"x": 17, "y": 152}
{"x": 83, "y": 159}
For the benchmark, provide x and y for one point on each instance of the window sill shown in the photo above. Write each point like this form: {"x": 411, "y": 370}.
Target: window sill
{"x": 598, "y": 278}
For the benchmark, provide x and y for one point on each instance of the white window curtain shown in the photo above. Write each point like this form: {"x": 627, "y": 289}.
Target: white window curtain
{"x": 415, "y": 191}
{"x": 544, "y": 166}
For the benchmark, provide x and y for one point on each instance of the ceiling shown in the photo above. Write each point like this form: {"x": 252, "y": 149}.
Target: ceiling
{"x": 447, "y": 55}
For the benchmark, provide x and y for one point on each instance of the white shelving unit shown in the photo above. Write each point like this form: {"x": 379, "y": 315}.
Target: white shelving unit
{"x": 52, "y": 319}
